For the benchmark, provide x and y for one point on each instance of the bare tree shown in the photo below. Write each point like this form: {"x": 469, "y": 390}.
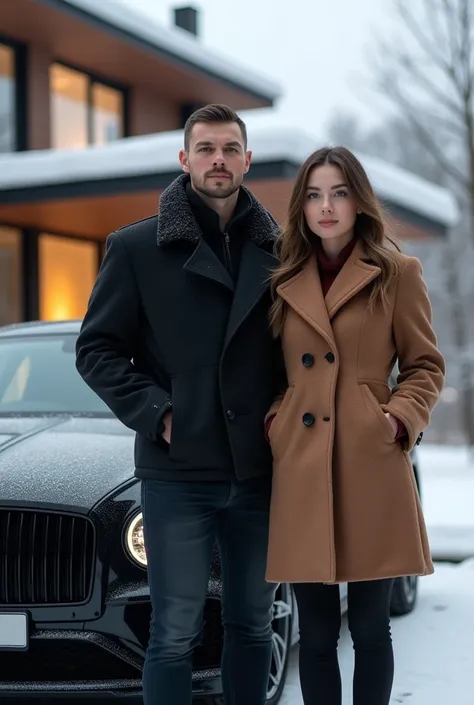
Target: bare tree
{"x": 393, "y": 141}
{"x": 426, "y": 69}
{"x": 427, "y": 72}
{"x": 346, "y": 129}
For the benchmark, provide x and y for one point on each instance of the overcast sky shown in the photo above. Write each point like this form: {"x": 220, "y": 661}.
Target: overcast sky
{"x": 316, "y": 49}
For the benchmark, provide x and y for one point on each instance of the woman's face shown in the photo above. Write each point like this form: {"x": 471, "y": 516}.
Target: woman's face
{"x": 329, "y": 206}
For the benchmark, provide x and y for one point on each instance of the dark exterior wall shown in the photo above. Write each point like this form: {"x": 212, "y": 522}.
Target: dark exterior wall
{"x": 150, "y": 113}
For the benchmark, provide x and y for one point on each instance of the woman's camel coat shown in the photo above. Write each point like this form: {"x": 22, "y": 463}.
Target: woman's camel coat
{"x": 344, "y": 504}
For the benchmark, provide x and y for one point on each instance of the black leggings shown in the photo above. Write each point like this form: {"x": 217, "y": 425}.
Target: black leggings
{"x": 369, "y": 624}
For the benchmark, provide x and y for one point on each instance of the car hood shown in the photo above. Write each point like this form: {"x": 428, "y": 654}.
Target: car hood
{"x": 62, "y": 461}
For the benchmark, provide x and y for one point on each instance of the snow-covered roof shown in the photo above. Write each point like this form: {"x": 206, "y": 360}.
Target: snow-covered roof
{"x": 411, "y": 191}
{"x": 158, "y": 154}
{"x": 176, "y": 42}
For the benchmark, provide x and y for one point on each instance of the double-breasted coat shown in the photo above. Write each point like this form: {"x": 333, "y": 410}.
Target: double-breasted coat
{"x": 345, "y": 506}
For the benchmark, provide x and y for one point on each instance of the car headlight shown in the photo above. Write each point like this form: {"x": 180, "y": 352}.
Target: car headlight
{"x": 134, "y": 540}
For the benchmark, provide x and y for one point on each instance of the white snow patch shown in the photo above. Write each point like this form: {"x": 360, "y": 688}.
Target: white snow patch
{"x": 158, "y": 153}
{"x": 177, "y": 42}
{"x": 447, "y": 486}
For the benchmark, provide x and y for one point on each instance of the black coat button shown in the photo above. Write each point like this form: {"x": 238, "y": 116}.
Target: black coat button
{"x": 308, "y": 419}
{"x": 326, "y": 418}
{"x": 329, "y": 357}
{"x": 230, "y": 414}
{"x": 307, "y": 360}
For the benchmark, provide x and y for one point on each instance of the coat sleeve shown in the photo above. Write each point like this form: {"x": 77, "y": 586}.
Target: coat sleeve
{"x": 421, "y": 365}
{"x": 105, "y": 347}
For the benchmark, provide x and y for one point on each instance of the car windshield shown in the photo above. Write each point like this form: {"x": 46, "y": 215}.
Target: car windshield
{"x": 38, "y": 376}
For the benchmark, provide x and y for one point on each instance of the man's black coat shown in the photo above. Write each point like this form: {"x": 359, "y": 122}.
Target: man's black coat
{"x": 168, "y": 328}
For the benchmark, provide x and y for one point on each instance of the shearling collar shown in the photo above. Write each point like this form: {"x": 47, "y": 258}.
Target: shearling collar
{"x": 176, "y": 220}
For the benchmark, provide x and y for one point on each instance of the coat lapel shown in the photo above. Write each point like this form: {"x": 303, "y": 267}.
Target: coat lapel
{"x": 354, "y": 276}
{"x": 253, "y": 281}
{"x": 304, "y": 294}
{"x": 205, "y": 263}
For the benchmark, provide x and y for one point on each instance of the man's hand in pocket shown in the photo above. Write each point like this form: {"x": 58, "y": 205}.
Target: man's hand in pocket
{"x": 167, "y": 420}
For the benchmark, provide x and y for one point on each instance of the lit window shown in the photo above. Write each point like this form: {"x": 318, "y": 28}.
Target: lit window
{"x": 83, "y": 111}
{"x": 67, "y": 272}
{"x": 7, "y": 99}
{"x": 107, "y": 114}
{"x": 68, "y": 108}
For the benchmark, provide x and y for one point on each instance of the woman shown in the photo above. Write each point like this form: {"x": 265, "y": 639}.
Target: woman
{"x": 347, "y": 305}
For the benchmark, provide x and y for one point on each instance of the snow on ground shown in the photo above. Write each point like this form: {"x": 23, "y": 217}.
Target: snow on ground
{"x": 447, "y": 487}
{"x": 434, "y": 656}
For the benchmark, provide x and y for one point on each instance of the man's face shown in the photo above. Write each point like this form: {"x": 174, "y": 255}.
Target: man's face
{"x": 216, "y": 159}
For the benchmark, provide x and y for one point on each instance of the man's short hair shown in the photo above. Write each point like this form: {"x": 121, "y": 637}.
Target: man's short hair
{"x": 213, "y": 113}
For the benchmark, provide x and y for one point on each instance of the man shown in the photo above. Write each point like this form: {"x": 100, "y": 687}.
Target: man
{"x": 176, "y": 341}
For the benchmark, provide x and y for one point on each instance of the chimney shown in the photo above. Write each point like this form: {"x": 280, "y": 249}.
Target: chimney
{"x": 187, "y": 19}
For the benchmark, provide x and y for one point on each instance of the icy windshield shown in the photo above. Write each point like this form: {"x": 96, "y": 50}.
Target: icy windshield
{"x": 38, "y": 376}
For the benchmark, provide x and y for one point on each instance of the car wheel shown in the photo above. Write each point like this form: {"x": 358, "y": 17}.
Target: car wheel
{"x": 281, "y": 644}
{"x": 404, "y": 595}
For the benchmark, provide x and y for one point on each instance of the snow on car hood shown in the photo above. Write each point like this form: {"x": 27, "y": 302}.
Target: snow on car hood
{"x": 63, "y": 462}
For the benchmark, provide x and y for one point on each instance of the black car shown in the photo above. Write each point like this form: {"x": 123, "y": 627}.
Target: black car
{"x": 74, "y": 597}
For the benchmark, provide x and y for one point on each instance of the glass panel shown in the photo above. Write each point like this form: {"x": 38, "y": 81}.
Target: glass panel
{"x": 69, "y": 122}
{"x": 67, "y": 272}
{"x": 108, "y": 111}
{"x": 10, "y": 276}
{"x": 7, "y": 99}
{"x": 38, "y": 376}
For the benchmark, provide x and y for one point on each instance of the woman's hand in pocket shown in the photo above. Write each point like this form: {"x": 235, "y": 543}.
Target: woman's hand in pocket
{"x": 268, "y": 423}
{"x": 393, "y": 423}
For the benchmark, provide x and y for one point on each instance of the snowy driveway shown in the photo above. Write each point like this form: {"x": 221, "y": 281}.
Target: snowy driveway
{"x": 434, "y": 652}
{"x": 447, "y": 483}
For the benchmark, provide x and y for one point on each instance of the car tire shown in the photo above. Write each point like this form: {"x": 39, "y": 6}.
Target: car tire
{"x": 404, "y": 595}
{"x": 282, "y": 641}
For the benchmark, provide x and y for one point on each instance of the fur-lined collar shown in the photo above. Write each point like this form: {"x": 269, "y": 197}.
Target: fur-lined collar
{"x": 176, "y": 220}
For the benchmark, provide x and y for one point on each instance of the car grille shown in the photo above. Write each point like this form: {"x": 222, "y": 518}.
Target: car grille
{"x": 45, "y": 558}
{"x": 63, "y": 660}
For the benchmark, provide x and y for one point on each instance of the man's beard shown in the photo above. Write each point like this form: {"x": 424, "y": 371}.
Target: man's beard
{"x": 224, "y": 189}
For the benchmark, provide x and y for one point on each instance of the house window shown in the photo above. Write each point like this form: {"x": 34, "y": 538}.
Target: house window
{"x": 7, "y": 99}
{"x": 83, "y": 111}
{"x": 67, "y": 272}
{"x": 107, "y": 113}
{"x": 11, "y": 305}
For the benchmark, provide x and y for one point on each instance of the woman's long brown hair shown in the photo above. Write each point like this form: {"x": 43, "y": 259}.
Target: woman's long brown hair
{"x": 296, "y": 242}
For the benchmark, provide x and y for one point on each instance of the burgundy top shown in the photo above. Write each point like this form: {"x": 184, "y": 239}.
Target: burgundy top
{"x": 330, "y": 268}
{"x": 328, "y": 271}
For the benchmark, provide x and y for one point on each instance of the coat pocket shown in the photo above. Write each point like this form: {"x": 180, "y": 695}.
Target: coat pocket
{"x": 276, "y": 425}
{"x": 374, "y": 407}
{"x": 198, "y": 432}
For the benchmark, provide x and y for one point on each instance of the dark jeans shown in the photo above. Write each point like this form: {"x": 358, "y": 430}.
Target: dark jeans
{"x": 369, "y": 623}
{"x": 181, "y": 523}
